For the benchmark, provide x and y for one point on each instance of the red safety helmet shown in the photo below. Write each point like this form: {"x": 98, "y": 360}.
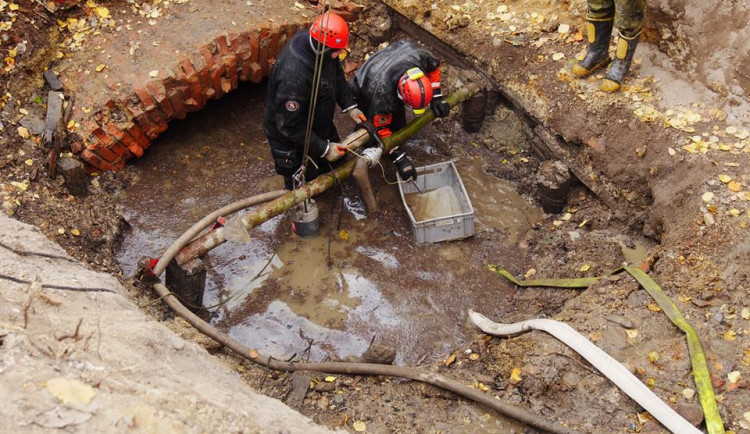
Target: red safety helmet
{"x": 331, "y": 30}
{"x": 415, "y": 90}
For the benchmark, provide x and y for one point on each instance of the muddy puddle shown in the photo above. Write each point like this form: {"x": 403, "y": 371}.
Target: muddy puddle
{"x": 363, "y": 278}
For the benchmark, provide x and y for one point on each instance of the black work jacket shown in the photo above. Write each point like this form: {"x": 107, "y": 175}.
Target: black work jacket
{"x": 374, "y": 83}
{"x": 288, "y": 101}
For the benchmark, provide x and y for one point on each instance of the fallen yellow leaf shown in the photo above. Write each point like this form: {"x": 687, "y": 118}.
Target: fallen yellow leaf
{"x": 22, "y": 185}
{"x": 344, "y": 235}
{"x": 515, "y": 376}
{"x": 654, "y": 307}
{"x": 585, "y": 267}
{"x": 449, "y": 361}
{"x": 730, "y": 335}
{"x": 474, "y": 356}
{"x": 100, "y": 67}
{"x": 653, "y": 357}
{"x": 330, "y": 379}
{"x": 734, "y": 186}
{"x": 359, "y": 426}
{"x": 75, "y": 232}
{"x": 70, "y": 391}
{"x": 724, "y": 178}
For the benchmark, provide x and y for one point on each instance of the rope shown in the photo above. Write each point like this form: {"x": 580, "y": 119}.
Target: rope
{"x": 319, "y": 58}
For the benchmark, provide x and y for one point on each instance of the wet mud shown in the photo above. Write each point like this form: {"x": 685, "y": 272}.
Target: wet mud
{"x": 363, "y": 278}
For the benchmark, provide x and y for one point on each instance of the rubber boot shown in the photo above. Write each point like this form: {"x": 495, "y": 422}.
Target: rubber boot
{"x": 621, "y": 65}
{"x": 599, "y": 32}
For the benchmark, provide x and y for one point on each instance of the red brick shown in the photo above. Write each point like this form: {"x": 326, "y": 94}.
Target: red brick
{"x": 177, "y": 97}
{"x": 223, "y": 45}
{"x": 190, "y": 76}
{"x": 234, "y": 40}
{"x": 256, "y": 73}
{"x": 138, "y": 115}
{"x": 135, "y": 132}
{"x": 254, "y": 47}
{"x": 93, "y": 159}
{"x": 98, "y": 132}
{"x": 121, "y": 150}
{"x": 263, "y": 55}
{"x": 204, "y": 73}
{"x": 226, "y": 85}
{"x": 231, "y": 64}
{"x": 216, "y": 73}
{"x": 153, "y": 110}
{"x": 245, "y": 66}
{"x": 150, "y": 128}
{"x": 105, "y": 154}
{"x": 273, "y": 45}
{"x": 132, "y": 144}
{"x": 158, "y": 91}
{"x": 120, "y": 147}
{"x": 147, "y": 100}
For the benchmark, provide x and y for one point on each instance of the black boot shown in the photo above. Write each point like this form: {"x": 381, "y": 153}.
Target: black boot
{"x": 621, "y": 65}
{"x": 599, "y": 32}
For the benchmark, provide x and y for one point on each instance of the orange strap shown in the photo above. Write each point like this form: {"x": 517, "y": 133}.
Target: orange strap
{"x": 434, "y": 77}
{"x": 384, "y": 132}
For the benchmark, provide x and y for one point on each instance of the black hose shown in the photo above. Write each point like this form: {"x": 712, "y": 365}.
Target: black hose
{"x": 416, "y": 374}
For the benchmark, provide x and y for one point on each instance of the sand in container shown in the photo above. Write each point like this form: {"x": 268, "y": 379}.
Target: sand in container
{"x": 441, "y": 202}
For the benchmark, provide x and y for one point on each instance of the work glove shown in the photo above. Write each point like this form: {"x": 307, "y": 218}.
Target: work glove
{"x": 372, "y": 155}
{"x": 335, "y": 151}
{"x": 357, "y": 115}
{"x": 440, "y": 107}
{"x": 405, "y": 168}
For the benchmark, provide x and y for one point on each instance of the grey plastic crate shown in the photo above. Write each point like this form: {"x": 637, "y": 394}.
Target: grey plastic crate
{"x": 459, "y": 223}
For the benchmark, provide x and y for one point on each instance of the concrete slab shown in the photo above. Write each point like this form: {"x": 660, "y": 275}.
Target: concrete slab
{"x": 91, "y": 361}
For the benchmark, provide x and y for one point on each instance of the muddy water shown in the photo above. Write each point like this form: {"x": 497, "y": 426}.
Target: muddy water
{"x": 496, "y": 203}
{"x": 361, "y": 278}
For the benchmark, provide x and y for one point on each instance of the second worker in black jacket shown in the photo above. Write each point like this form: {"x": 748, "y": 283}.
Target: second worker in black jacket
{"x": 402, "y": 74}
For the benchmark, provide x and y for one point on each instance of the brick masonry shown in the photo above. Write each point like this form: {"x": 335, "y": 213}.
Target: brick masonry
{"x": 120, "y": 113}
{"x": 106, "y": 142}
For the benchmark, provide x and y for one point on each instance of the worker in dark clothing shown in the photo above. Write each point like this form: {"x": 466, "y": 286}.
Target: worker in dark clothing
{"x": 400, "y": 75}
{"x": 290, "y": 99}
{"x": 601, "y": 17}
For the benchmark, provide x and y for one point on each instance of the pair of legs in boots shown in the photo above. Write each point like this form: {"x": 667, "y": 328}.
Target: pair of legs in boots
{"x": 603, "y": 15}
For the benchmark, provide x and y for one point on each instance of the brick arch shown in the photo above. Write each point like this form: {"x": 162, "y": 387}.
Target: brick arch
{"x": 118, "y": 116}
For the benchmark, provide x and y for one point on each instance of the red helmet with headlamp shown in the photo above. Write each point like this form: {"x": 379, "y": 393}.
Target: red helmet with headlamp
{"x": 415, "y": 90}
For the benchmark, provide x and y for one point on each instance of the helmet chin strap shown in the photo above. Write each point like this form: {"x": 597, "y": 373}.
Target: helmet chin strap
{"x": 314, "y": 48}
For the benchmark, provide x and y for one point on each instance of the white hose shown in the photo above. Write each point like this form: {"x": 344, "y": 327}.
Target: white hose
{"x": 611, "y": 368}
